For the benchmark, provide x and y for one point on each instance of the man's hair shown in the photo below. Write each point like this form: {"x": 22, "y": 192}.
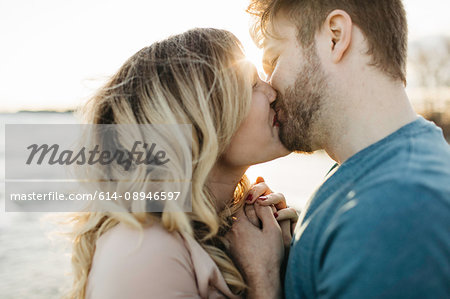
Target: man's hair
{"x": 383, "y": 22}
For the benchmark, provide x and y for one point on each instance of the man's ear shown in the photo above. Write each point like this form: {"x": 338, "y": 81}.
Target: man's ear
{"x": 338, "y": 28}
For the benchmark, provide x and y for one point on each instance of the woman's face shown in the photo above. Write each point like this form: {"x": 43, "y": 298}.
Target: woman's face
{"x": 257, "y": 140}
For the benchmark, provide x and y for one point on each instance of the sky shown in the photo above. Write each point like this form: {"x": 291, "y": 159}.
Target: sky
{"x": 56, "y": 53}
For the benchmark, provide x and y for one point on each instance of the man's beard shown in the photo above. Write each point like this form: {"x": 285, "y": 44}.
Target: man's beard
{"x": 299, "y": 109}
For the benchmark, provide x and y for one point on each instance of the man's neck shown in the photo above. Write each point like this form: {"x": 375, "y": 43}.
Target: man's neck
{"x": 374, "y": 113}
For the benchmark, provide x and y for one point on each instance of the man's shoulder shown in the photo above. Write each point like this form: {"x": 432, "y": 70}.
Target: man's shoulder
{"x": 397, "y": 212}
{"x": 412, "y": 150}
{"x": 391, "y": 235}
{"x": 417, "y": 168}
{"x": 400, "y": 192}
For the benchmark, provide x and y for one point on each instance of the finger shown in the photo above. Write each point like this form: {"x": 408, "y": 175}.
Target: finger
{"x": 287, "y": 213}
{"x": 276, "y": 199}
{"x": 251, "y": 215}
{"x": 267, "y": 217}
{"x": 293, "y": 226}
{"x": 286, "y": 232}
{"x": 240, "y": 224}
{"x": 274, "y": 210}
{"x": 240, "y": 219}
{"x": 256, "y": 191}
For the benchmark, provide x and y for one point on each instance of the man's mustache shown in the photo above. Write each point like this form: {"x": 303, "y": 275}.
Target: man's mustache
{"x": 278, "y": 104}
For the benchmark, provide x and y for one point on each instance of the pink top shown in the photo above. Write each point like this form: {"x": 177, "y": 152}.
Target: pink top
{"x": 165, "y": 265}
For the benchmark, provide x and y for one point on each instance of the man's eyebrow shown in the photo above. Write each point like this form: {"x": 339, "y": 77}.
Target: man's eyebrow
{"x": 272, "y": 47}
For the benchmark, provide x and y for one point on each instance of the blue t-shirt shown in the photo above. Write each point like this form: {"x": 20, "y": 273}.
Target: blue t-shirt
{"x": 379, "y": 227}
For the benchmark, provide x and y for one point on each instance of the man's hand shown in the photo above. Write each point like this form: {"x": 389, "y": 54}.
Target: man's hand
{"x": 258, "y": 252}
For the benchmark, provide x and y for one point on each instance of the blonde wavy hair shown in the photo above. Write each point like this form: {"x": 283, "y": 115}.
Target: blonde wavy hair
{"x": 199, "y": 77}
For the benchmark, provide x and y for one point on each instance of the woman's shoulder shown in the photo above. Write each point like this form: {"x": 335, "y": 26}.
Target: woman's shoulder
{"x": 123, "y": 241}
{"x": 133, "y": 263}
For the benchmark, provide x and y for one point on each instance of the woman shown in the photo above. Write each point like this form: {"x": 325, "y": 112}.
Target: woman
{"x": 199, "y": 77}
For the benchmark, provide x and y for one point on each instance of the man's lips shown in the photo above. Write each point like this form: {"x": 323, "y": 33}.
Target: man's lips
{"x": 275, "y": 122}
{"x": 276, "y": 110}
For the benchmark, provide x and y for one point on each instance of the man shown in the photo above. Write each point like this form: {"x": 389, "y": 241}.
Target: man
{"x": 379, "y": 227}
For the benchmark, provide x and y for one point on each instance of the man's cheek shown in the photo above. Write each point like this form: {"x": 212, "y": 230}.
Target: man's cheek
{"x": 280, "y": 82}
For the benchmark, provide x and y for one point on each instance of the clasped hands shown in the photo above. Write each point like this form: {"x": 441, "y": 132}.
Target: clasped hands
{"x": 260, "y": 237}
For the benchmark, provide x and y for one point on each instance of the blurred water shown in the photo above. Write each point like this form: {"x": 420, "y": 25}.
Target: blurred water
{"x": 36, "y": 264}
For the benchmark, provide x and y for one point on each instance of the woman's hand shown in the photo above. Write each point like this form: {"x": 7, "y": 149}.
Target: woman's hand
{"x": 286, "y": 216}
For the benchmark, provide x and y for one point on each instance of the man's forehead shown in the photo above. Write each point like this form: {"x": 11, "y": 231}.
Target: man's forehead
{"x": 279, "y": 30}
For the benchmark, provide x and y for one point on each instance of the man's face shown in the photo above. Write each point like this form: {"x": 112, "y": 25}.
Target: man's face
{"x": 297, "y": 75}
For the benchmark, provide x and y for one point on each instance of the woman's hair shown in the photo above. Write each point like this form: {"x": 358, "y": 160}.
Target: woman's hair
{"x": 201, "y": 78}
